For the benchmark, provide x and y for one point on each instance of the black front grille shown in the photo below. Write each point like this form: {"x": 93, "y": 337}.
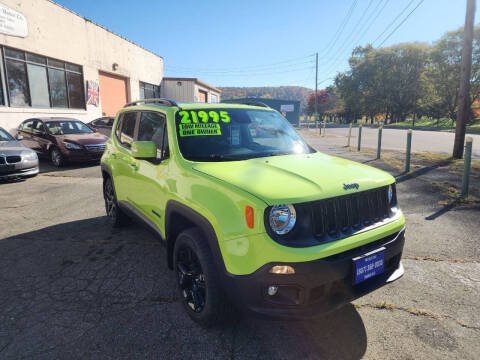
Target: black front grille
{"x": 2, "y": 160}
{"x": 13, "y": 159}
{"x": 344, "y": 215}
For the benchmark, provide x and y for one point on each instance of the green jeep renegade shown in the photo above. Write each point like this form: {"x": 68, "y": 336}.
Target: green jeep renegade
{"x": 250, "y": 214}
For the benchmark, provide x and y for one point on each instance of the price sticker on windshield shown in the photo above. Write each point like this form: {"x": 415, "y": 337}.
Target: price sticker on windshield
{"x": 199, "y": 129}
{"x": 195, "y": 116}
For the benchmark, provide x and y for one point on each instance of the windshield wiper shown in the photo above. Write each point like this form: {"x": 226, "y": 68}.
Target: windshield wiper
{"x": 214, "y": 157}
{"x": 221, "y": 157}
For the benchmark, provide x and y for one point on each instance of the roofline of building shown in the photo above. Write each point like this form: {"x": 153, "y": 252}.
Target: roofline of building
{"x": 104, "y": 28}
{"x": 199, "y": 82}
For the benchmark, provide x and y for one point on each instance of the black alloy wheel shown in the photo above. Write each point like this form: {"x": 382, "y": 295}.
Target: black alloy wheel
{"x": 191, "y": 279}
{"x": 115, "y": 215}
{"x": 198, "y": 281}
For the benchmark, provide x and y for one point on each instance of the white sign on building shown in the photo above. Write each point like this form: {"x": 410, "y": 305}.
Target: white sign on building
{"x": 12, "y": 22}
{"x": 287, "y": 108}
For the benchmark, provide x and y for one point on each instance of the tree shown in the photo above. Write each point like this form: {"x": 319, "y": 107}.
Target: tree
{"x": 322, "y": 99}
{"x": 386, "y": 80}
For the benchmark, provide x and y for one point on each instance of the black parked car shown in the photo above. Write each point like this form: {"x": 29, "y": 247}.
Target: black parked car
{"x": 102, "y": 125}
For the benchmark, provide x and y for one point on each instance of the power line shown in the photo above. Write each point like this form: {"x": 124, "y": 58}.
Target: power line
{"x": 367, "y": 25}
{"x": 286, "y": 63}
{"x": 244, "y": 67}
{"x": 393, "y": 22}
{"x": 401, "y": 23}
{"x": 213, "y": 72}
{"x": 342, "y": 27}
{"x": 344, "y": 45}
{"x": 358, "y": 31}
{"x": 373, "y": 22}
{"x": 353, "y": 30}
{"x": 263, "y": 73}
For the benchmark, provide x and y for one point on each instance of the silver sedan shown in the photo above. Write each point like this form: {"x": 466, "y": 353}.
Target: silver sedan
{"x": 16, "y": 160}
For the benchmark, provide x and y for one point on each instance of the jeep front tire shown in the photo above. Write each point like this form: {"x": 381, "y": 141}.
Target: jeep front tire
{"x": 197, "y": 280}
{"x": 115, "y": 215}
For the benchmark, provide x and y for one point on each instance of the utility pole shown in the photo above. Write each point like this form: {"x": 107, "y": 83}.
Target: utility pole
{"x": 316, "y": 85}
{"x": 465, "y": 73}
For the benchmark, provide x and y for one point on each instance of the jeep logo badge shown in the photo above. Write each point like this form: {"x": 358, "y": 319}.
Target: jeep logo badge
{"x": 350, "y": 186}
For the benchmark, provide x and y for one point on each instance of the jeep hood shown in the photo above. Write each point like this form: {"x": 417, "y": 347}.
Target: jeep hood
{"x": 290, "y": 179}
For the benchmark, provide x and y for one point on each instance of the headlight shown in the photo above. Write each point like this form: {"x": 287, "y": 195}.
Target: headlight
{"x": 392, "y": 196}
{"x": 31, "y": 155}
{"x": 72, "y": 146}
{"x": 282, "y": 219}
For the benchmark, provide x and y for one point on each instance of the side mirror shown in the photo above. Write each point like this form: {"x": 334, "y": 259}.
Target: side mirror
{"x": 144, "y": 150}
{"x": 19, "y": 137}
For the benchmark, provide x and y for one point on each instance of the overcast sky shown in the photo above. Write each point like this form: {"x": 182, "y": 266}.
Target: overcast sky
{"x": 267, "y": 42}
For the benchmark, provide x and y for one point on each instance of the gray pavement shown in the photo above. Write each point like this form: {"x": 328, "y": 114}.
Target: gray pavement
{"x": 71, "y": 287}
{"x": 395, "y": 139}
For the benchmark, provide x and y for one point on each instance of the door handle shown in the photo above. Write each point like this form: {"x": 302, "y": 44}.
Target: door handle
{"x": 114, "y": 156}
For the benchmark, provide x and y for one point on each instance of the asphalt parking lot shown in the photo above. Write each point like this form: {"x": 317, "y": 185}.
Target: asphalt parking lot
{"x": 71, "y": 287}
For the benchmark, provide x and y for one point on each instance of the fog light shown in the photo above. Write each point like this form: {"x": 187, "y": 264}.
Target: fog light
{"x": 272, "y": 290}
{"x": 282, "y": 269}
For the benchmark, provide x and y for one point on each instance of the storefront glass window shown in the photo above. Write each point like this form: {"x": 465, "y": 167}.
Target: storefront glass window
{"x": 56, "y": 63}
{"x": 28, "y": 83}
{"x": 75, "y": 90}
{"x": 14, "y": 54}
{"x": 36, "y": 58}
{"x": 37, "y": 76}
{"x": 17, "y": 83}
{"x": 58, "y": 88}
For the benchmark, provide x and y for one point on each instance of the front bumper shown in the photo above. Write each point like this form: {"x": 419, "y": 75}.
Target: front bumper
{"x": 24, "y": 168}
{"x": 317, "y": 286}
{"x": 82, "y": 155}
{"x": 20, "y": 173}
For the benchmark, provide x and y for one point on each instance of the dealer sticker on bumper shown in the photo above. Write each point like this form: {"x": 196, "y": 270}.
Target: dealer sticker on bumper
{"x": 369, "y": 265}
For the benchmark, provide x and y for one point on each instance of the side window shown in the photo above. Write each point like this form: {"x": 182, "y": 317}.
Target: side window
{"x": 27, "y": 126}
{"x": 126, "y": 130}
{"x": 38, "y": 127}
{"x": 105, "y": 121}
{"x": 152, "y": 128}
{"x": 119, "y": 127}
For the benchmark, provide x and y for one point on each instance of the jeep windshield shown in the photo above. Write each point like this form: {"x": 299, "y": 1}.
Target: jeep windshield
{"x": 214, "y": 134}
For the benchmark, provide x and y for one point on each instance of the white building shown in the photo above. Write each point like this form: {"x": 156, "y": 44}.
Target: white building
{"x": 55, "y": 61}
{"x": 189, "y": 90}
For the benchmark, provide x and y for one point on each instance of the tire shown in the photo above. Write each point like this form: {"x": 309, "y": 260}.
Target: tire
{"x": 56, "y": 157}
{"x": 208, "y": 304}
{"x": 115, "y": 215}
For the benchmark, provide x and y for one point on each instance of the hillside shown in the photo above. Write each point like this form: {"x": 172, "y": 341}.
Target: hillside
{"x": 280, "y": 92}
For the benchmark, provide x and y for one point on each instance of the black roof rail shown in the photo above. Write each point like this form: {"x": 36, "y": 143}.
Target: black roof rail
{"x": 159, "y": 101}
{"x": 246, "y": 102}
